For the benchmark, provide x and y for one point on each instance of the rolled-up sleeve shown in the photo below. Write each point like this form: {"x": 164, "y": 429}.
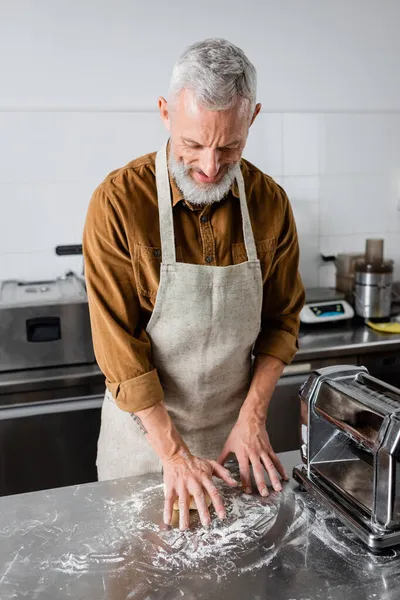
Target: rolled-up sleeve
{"x": 122, "y": 347}
{"x": 283, "y": 293}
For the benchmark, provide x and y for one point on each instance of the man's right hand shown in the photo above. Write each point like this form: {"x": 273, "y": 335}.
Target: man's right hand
{"x": 186, "y": 475}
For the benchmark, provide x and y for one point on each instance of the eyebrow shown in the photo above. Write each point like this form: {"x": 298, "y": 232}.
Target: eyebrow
{"x": 234, "y": 143}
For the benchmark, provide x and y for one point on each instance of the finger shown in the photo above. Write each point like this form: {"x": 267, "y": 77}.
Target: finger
{"x": 244, "y": 470}
{"x": 278, "y": 465}
{"x": 215, "y": 496}
{"x": 272, "y": 472}
{"x": 222, "y": 473}
{"x": 259, "y": 477}
{"x": 224, "y": 455}
{"x": 197, "y": 492}
{"x": 184, "y": 501}
{"x": 170, "y": 498}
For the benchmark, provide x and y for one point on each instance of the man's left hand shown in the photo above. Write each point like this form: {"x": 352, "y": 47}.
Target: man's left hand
{"x": 250, "y": 443}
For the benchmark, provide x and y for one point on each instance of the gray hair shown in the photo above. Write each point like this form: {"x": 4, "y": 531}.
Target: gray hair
{"x": 217, "y": 72}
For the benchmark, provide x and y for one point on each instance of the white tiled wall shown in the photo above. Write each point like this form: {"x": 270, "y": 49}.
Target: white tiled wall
{"x": 310, "y": 55}
{"x": 50, "y": 164}
{"x": 78, "y": 96}
{"x": 359, "y": 184}
{"x": 341, "y": 173}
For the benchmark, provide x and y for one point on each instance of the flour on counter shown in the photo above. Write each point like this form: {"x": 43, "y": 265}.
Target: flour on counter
{"x": 347, "y": 545}
{"x": 117, "y": 541}
{"x": 238, "y": 535}
{"x": 131, "y": 537}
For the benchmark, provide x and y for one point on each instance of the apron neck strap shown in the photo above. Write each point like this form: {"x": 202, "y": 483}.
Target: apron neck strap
{"x": 166, "y": 214}
{"x": 247, "y": 229}
{"x": 165, "y": 207}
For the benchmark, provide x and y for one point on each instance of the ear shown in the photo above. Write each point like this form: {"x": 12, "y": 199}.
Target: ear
{"x": 256, "y": 111}
{"x": 164, "y": 113}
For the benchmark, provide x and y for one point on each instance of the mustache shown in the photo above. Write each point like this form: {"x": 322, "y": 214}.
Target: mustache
{"x": 205, "y": 193}
{"x": 187, "y": 169}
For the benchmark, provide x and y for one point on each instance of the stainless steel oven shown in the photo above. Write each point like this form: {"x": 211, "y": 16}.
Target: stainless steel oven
{"x": 44, "y": 324}
{"x": 49, "y": 425}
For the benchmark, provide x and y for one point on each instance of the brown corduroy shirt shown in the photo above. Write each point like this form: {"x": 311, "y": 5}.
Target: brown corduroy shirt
{"x": 122, "y": 252}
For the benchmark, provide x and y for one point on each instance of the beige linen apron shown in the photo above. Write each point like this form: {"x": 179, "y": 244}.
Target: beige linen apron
{"x": 202, "y": 330}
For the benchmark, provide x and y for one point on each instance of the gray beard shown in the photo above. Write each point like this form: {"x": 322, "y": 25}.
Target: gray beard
{"x": 200, "y": 194}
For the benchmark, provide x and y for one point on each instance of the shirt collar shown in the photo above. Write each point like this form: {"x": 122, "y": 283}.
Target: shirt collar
{"x": 177, "y": 195}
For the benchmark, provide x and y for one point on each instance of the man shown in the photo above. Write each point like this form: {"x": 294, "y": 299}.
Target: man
{"x": 191, "y": 262}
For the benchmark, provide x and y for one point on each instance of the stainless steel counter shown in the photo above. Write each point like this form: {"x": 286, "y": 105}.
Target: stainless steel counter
{"x": 106, "y": 541}
{"x": 342, "y": 340}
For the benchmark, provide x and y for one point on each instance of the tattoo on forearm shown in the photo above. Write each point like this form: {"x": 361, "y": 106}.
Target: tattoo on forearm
{"x": 139, "y": 422}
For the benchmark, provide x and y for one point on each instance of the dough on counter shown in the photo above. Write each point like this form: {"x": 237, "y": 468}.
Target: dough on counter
{"x": 192, "y": 504}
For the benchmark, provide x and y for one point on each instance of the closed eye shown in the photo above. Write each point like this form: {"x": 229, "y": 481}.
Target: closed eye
{"x": 192, "y": 144}
{"x": 195, "y": 146}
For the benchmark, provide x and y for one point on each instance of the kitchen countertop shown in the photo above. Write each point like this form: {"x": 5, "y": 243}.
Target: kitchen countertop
{"x": 106, "y": 541}
{"x": 314, "y": 343}
{"x": 339, "y": 339}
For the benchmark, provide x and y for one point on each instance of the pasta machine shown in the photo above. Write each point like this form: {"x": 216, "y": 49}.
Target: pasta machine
{"x": 351, "y": 453}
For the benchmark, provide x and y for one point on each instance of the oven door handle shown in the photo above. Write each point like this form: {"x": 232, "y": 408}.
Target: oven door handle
{"x": 35, "y": 409}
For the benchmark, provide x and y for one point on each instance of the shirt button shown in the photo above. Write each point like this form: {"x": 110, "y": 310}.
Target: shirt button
{"x": 209, "y": 259}
{"x": 203, "y": 218}
{"x": 157, "y": 253}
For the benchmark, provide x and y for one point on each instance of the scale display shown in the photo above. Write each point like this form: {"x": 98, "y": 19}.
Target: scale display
{"x": 322, "y": 312}
{"x": 327, "y": 310}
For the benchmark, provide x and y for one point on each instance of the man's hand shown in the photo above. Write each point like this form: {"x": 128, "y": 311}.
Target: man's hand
{"x": 250, "y": 442}
{"x": 249, "y": 438}
{"x": 186, "y": 475}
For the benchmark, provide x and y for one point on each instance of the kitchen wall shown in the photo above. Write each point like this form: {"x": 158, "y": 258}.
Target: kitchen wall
{"x": 78, "y": 93}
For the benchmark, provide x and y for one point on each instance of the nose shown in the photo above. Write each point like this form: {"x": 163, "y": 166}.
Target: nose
{"x": 210, "y": 162}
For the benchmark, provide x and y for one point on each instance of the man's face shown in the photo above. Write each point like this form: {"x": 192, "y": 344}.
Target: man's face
{"x": 206, "y": 145}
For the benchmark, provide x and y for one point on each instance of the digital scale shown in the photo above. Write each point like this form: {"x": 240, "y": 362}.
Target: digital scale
{"x": 324, "y": 305}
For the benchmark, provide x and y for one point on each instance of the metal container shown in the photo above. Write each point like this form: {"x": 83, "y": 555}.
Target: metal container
{"x": 373, "y": 282}
{"x": 373, "y": 291}
{"x": 44, "y": 324}
{"x": 352, "y": 449}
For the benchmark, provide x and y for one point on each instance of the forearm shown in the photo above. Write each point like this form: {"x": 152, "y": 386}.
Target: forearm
{"x": 267, "y": 371}
{"x": 160, "y": 431}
